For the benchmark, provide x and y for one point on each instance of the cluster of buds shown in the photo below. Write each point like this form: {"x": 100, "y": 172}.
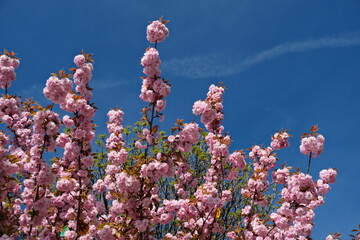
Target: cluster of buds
{"x": 8, "y": 64}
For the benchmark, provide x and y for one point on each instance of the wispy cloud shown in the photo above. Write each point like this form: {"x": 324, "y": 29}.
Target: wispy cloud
{"x": 107, "y": 84}
{"x": 30, "y": 91}
{"x": 218, "y": 64}
{"x": 34, "y": 91}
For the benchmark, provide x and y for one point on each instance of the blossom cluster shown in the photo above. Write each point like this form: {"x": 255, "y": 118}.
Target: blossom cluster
{"x": 157, "y": 31}
{"x": 56, "y": 89}
{"x": 186, "y": 138}
{"x": 211, "y": 109}
{"x": 154, "y": 88}
{"x": 313, "y": 145}
{"x": 201, "y": 217}
{"x": 299, "y": 197}
{"x": 8, "y": 64}
{"x": 280, "y": 140}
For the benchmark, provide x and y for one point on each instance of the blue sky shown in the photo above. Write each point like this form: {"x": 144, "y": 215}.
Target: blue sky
{"x": 286, "y": 64}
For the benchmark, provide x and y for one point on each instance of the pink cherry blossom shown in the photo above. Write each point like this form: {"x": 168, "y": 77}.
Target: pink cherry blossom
{"x": 156, "y": 32}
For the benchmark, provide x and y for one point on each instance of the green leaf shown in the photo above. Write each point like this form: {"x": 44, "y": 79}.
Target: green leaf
{"x": 62, "y": 233}
{"x": 99, "y": 142}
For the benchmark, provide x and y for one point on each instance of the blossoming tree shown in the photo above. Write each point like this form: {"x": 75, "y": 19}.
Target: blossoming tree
{"x": 182, "y": 184}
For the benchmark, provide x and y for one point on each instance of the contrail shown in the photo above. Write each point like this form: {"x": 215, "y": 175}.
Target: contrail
{"x": 302, "y": 46}
{"x": 217, "y": 65}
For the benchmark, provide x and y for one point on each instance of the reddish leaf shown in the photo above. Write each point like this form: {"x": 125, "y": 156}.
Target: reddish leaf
{"x": 314, "y": 128}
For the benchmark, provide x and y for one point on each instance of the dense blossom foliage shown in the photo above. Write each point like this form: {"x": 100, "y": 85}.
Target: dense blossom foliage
{"x": 184, "y": 185}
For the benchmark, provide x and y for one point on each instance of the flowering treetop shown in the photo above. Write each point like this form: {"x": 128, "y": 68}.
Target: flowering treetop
{"x": 185, "y": 184}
